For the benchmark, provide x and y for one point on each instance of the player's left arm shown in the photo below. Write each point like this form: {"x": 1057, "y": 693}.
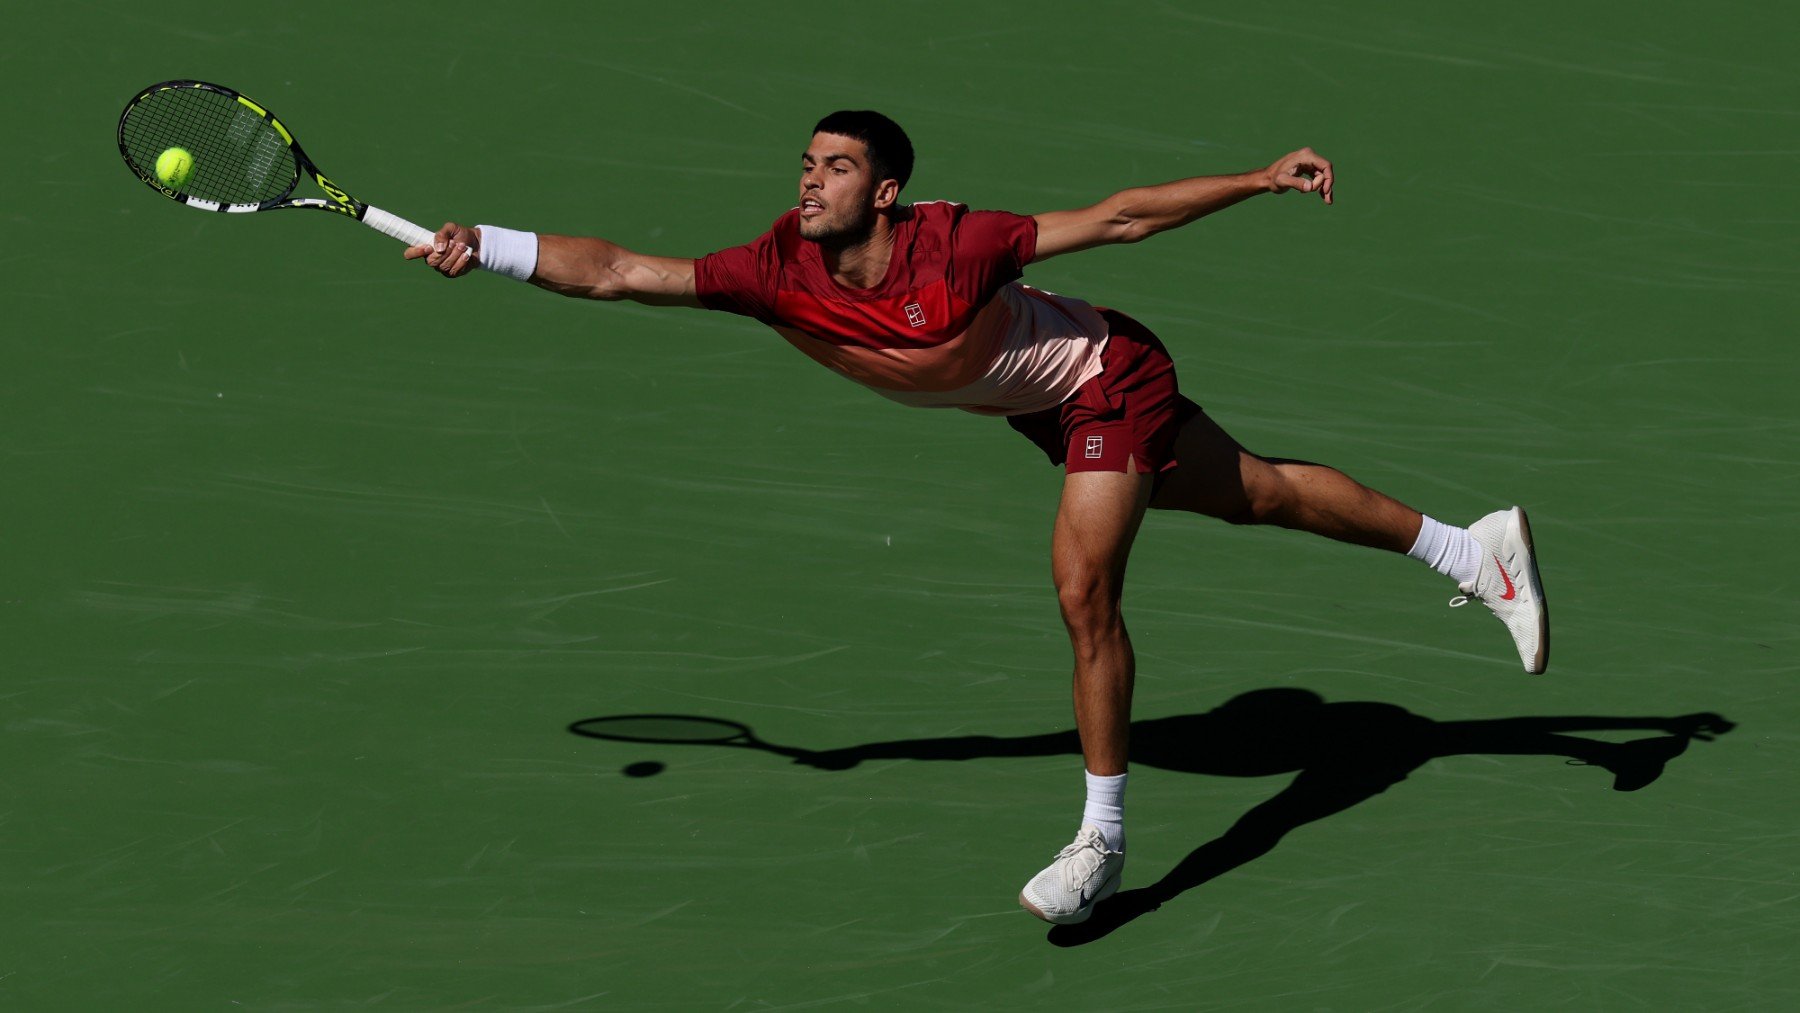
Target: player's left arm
{"x": 1134, "y": 215}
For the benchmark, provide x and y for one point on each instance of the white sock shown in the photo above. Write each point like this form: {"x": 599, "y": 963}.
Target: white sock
{"x": 1451, "y": 551}
{"x": 1105, "y": 809}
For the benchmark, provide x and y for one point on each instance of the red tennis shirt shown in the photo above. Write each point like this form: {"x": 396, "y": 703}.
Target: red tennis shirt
{"x": 949, "y": 326}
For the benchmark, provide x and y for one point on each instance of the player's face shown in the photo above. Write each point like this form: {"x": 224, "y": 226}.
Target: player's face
{"x": 839, "y": 194}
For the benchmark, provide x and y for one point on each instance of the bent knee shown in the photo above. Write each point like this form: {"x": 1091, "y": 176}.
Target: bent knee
{"x": 1265, "y": 494}
{"x": 1252, "y": 491}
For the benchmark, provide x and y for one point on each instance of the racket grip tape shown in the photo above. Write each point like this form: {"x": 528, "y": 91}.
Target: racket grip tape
{"x": 395, "y": 226}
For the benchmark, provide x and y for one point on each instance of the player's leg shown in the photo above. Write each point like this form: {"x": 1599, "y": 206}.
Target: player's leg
{"x": 1095, "y": 524}
{"x": 1219, "y": 478}
{"x": 1492, "y": 560}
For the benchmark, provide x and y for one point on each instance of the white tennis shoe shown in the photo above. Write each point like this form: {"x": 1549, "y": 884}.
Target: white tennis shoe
{"x": 1508, "y": 584}
{"x": 1084, "y": 874}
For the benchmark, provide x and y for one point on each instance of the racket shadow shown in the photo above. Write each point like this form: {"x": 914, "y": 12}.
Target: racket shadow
{"x": 1341, "y": 754}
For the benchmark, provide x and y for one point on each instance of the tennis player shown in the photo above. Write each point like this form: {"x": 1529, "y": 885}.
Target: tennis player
{"x": 923, "y": 304}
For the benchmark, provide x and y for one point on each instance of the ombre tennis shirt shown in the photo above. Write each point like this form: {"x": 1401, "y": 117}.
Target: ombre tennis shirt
{"x": 949, "y": 326}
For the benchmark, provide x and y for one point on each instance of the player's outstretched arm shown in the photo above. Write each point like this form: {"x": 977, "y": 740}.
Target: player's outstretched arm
{"x": 1133, "y": 215}
{"x": 573, "y": 266}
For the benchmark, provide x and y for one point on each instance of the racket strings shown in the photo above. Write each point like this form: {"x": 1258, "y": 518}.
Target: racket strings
{"x": 239, "y": 157}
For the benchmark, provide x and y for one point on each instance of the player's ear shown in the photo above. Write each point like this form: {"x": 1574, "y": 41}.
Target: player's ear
{"x": 886, "y": 193}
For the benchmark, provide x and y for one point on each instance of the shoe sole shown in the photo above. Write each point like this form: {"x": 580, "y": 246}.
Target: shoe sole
{"x": 1542, "y": 661}
{"x": 1081, "y": 914}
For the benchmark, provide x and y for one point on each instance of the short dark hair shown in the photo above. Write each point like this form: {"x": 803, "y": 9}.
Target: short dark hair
{"x": 890, "y": 152}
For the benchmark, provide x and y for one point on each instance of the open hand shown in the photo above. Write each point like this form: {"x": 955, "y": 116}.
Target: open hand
{"x": 1304, "y": 170}
{"x": 453, "y": 252}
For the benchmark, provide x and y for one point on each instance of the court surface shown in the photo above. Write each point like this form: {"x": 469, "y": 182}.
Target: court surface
{"x": 313, "y": 558}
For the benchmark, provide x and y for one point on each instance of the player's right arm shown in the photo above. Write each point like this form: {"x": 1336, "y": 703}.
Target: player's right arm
{"x": 587, "y": 268}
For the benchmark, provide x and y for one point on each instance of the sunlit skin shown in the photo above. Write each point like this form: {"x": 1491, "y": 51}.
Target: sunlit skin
{"x": 842, "y": 206}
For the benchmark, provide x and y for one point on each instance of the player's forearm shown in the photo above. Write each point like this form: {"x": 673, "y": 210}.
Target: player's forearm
{"x": 582, "y": 267}
{"x": 570, "y": 265}
{"x": 1147, "y": 210}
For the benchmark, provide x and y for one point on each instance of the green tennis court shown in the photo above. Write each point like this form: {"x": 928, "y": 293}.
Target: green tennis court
{"x": 317, "y": 564}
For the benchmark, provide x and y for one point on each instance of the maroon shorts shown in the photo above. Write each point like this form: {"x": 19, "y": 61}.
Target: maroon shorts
{"x": 1130, "y": 413}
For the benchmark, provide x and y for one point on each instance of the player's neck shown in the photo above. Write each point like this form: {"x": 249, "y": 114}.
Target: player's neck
{"x": 863, "y": 264}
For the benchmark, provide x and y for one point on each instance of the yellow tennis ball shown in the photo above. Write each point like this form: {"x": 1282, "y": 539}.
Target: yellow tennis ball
{"x": 175, "y": 167}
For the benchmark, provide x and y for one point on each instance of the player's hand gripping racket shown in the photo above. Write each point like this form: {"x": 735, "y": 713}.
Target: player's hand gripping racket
{"x": 219, "y": 151}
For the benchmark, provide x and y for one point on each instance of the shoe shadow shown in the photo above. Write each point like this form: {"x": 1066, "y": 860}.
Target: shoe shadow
{"x": 1342, "y": 754}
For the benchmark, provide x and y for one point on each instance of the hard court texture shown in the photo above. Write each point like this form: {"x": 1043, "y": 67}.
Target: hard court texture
{"x": 314, "y": 558}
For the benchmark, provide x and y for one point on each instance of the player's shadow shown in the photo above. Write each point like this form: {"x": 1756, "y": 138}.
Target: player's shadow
{"x": 1343, "y": 753}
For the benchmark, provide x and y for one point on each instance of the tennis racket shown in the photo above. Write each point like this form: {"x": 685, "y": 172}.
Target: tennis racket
{"x": 244, "y": 159}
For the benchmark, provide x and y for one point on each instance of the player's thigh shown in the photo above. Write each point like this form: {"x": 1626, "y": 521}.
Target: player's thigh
{"x": 1214, "y": 475}
{"x": 1095, "y": 524}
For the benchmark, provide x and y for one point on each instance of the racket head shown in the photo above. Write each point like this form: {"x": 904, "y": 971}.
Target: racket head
{"x": 671, "y": 729}
{"x": 244, "y": 158}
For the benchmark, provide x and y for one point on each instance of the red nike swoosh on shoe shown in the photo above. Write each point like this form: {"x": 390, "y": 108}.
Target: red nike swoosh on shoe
{"x": 1511, "y": 592}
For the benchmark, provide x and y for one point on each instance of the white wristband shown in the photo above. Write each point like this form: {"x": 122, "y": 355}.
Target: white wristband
{"x": 508, "y": 251}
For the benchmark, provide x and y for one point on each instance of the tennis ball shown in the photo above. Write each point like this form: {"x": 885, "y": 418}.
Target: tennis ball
{"x": 175, "y": 167}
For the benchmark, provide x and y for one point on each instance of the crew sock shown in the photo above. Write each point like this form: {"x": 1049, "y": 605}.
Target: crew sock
{"x": 1105, "y": 810}
{"x": 1449, "y": 550}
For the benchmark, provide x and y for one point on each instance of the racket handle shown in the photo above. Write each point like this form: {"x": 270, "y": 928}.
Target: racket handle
{"x": 396, "y": 226}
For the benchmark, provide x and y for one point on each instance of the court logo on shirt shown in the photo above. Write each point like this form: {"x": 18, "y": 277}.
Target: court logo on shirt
{"x": 915, "y": 314}
{"x": 1094, "y": 443}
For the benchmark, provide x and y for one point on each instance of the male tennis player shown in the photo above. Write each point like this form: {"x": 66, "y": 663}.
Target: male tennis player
{"x": 922, "y": 302}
